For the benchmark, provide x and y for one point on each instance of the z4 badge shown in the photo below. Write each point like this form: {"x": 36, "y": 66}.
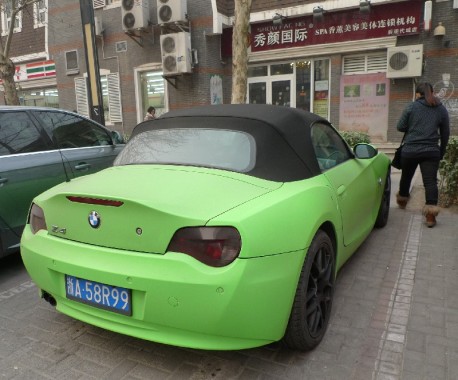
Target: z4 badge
{"x": 58, "y": 230}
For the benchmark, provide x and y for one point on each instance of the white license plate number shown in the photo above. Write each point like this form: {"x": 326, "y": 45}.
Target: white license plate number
{"x": 99, "y": 295}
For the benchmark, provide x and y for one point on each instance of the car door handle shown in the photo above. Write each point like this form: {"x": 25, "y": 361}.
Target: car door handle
{"x": 82, "y": 166}
{"x": 3, "y": 181}
{"x": 341, "y": 189}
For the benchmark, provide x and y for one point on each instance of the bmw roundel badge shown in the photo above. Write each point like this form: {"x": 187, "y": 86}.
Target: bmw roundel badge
{"x": 94, "y": 219}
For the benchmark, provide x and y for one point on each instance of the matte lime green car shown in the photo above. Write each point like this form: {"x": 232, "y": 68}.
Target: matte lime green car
{"x": 219, "y": 227}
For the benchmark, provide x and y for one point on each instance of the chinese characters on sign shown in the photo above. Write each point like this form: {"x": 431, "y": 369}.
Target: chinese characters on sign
{"x": 364, "y": 100}
{"x": 398, "y": 19}
{"x": 282, "y": 37}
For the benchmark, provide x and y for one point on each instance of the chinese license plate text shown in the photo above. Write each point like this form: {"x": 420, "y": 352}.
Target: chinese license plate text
{"x": 99, "y": 295}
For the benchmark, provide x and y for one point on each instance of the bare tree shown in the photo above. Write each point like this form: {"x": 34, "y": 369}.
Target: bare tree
{"x": 240, "y": 40}
{"x": 12, "y": 8}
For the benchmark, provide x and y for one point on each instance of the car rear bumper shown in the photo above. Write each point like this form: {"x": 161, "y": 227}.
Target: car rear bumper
{"x": 175, "y": 299}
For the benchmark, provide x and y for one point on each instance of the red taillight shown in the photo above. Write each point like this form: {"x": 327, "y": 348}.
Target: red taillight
{"x": 37, "y": 219}
{"x": 214, "y": 246}
{"x": 95, "y": 201}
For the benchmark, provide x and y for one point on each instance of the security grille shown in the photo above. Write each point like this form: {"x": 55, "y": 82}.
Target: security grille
{"x": 367, "y": 63}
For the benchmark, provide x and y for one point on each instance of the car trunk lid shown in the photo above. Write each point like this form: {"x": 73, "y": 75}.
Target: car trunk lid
{"x": 139, "y": 208}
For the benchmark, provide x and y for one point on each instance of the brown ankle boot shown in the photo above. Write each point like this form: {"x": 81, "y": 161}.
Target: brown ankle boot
{"x": 430, "y": 212}
{"x": 401, "y": 201}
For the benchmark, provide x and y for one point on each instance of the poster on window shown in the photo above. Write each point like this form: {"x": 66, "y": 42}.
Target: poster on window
{"x": 364, "y": 103}
{"x": 216, "y": 90}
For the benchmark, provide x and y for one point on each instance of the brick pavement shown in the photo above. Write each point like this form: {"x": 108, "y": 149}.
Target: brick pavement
{"x": 395, "y": 316}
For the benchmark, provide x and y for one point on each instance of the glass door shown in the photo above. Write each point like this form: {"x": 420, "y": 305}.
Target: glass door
{"x": 281, "y": 94}
{"x": 257, "y": 93}
{"x": 271, "y": 84}
{"x": 302, "y": 84}
{"x": 281, "y": 75}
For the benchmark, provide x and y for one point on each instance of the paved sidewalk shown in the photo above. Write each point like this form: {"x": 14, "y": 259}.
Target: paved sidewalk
{"x": 419, "y": 317}
{"x": 395, "y": 317}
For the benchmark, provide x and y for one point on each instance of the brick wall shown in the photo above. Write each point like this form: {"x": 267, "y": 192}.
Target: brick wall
{"x": 30, "y": 40}
{"x": 65, "y": 33}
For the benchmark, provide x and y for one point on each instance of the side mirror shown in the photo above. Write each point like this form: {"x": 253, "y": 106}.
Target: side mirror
{"x": 364, "y": 151}
{"x": 117, "y": 137}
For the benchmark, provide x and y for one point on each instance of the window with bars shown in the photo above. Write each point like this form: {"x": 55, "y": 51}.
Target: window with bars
{"x": 365, "y": 63}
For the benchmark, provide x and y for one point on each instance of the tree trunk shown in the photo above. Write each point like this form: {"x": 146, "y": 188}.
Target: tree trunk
{"x": 7, "y": 71}
{"x": 240, "y": 40}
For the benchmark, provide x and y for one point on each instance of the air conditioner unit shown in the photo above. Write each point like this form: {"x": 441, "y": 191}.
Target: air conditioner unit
{"x": 171, "y": 11}
{"x": 135, "y": 14}
{"x": 98, "y": 26}
{"x": 405, "y": 61}
{"x": 176, "y": 53}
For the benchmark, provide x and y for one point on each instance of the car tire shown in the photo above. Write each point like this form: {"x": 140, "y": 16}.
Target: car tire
{"x": 384, "y": 209}
{"x": 311, "y": 308}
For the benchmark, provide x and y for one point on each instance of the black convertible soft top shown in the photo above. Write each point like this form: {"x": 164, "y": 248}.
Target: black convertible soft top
{"x": 283, "y": 137}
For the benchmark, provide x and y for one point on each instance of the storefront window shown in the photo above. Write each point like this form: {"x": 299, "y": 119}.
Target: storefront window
{"x": 303, "y": 70}
{"x": 257, "y": 71}
{"x": 257, "y": 93}
{"x": 41, "y": 97}
{"x": 321, "y": 88}
{"x": 309, "y": 79}
{"x": 284, "y": 68}
{"x": 281, "y": 94}
{"x": 153, "y": 91}
{"x": 106, "y": 102}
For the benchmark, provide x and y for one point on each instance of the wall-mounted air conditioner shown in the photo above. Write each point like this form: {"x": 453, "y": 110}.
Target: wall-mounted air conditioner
{"x": 135, "y": 14}
{"x": 405, "y": 61}
{"x": 98, "y": 25}
{"x": 176, "y": 53}
{"x": 171, "y": 11}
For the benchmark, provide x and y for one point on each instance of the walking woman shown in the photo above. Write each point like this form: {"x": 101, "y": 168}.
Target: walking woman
{"x": 425, "y": 123}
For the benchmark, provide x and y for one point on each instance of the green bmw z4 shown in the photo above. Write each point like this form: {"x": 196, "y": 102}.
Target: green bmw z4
{"x": 218, "y": 227}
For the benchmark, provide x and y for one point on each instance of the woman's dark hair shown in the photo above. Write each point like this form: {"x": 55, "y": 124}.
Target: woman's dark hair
{"x": 151, "y": 109}
{"x": 425, "y": 90}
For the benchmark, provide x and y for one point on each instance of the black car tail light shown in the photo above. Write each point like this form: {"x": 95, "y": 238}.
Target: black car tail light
{"x": 37, "y": 219}
{"x": 213, "y": 246}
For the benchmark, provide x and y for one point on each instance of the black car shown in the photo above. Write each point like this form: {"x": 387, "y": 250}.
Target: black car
{"x": 39, "y": 148}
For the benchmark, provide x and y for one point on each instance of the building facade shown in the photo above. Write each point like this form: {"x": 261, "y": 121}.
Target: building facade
{"x": 35, "y": 71}
{"x": 354, "y": 62}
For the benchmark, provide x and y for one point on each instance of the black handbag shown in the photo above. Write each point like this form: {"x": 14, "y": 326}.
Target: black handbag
{"x": 396, "y": 161}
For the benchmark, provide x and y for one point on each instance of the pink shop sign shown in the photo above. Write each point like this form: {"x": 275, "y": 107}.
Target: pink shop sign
{"x": 396, "y": 19}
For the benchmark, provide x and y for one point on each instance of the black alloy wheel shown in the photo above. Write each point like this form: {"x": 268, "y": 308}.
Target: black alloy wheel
{"x": 311, "y": 309}
{"x": 384, "y": 209}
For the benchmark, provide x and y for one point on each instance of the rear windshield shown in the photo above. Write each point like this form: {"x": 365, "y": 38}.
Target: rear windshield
{"x": 216, "y": 148}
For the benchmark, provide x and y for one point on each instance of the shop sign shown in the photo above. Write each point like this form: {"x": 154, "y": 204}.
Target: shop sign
{"x": 36, "y": 70}
{"x": 396, "y": 19}
{"x": 364, "y": 103}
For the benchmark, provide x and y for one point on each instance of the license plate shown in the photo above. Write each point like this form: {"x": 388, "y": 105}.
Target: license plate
{"x": 99, "y": 295}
